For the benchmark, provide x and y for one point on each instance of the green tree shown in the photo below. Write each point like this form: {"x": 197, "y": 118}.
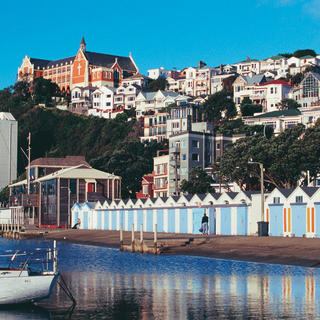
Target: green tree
{"x": 219, "y": 106}
{"x": 43, "y": 90}
{"x": 4, "y": 196}
{"x": 304, "y": 52}
{"x": 289, "y": 104}
{"x": 248, "y": 108}
{"x": 199, "y": 182}
{"x": 158, "y": 84}
{"x": 282, "y": 157}
{"x": 131, "y": 160}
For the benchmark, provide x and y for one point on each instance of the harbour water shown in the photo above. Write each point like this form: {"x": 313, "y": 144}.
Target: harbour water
{"x": 109, "y": 284}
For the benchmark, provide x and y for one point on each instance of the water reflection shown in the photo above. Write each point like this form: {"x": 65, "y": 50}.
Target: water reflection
{"x": 108, "y": 284}
{"x": 149, "y": 296}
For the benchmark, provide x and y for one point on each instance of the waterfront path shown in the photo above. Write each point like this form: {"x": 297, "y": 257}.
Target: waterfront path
{"x": 278, "y": 250}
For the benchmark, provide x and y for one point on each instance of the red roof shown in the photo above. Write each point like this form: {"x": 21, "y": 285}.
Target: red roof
{"x": 279, "y": 81}
{"x": 148, "y": 179}
{"x": 68, "y": 161}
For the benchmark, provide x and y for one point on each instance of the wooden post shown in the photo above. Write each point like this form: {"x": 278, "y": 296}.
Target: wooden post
{"x": 121, "y": 236}
{"x": 155, "y": 239}
{"x": 141, "y": 238}
{"x": 155, "y": 234}
{"x": 132, "y": 238}
{"x": 55, "y": 257}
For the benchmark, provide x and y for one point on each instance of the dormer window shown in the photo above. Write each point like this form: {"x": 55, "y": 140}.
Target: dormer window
{"x": 299, "y": 199}
{"x": 276, "y": 200}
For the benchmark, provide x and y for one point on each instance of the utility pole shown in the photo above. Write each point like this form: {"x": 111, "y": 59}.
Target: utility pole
{"x": 262, "y": 225}
{"x": 29, "y": 154}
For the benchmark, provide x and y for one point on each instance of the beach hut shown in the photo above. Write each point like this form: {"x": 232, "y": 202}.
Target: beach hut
{"x": 295, "y": 218}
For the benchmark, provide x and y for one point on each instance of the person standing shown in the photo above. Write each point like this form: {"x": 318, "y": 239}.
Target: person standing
{"x": 204, "y": 223}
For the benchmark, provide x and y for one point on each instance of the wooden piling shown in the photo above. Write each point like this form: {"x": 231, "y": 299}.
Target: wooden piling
{"x": 155, "y": 239}
{"x": 132, "y": 239}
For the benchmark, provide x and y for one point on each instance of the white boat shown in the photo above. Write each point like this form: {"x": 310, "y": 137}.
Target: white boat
{"x": 27, "y": 277}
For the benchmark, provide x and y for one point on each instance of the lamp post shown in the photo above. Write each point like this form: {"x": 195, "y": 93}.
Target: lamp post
{"x": 262, "y": 222}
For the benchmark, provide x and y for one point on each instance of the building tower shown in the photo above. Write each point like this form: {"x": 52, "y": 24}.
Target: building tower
{"x": 83, "y": 44}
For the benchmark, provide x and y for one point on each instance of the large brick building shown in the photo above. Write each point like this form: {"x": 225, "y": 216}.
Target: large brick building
{"x": 85, "y": 69}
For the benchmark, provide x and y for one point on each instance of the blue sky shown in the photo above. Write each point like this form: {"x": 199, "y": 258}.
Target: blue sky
{"x": 157, "y": 33}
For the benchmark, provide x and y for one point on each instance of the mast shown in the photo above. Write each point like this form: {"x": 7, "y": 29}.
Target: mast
{"x": 28, "y": 173}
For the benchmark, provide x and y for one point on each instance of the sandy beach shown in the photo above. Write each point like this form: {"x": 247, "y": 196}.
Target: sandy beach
{"x": 276, "y": 250}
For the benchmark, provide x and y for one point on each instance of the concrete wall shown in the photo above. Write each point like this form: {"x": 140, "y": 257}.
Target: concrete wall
{"x": 8, "y": 150}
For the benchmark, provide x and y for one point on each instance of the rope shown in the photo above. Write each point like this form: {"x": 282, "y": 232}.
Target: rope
{"x": 66, "y": 290}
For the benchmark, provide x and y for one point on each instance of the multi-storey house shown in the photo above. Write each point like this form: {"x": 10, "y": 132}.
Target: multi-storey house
{"x": 243, "y": 86}
{"x": 220, "y": 81}
{"x": 155, "y": 127}
{"x": 249, "y": 67}
{"x": 275, "y": 91}
{"x": 102, "y": 103}
{"x": 278, "y": 64}
{"x": 125, "y": 97}
{"x": 85, "y": 69}
{"x": 297, "y": 65}
{"x": 192, "y": 149}
{"x": 156, "y": 101}
{"x": 161, "y": 174}
{"x": 279, "y": 120}
{"x": 138, "y": 80}
{"x": 81, "y": 100}
{"x": 162, "y": 73}
{"x": 306, "y": 93}
{"x": 181, "y": 118}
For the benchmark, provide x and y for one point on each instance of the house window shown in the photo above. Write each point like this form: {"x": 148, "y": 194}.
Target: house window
{"x": 145, "y": 189}
{"x": 276, "y": 199}
{"x": 195, "y": 144}
{"x": 195, "y": 157}
{"x": 299, "y": 199}
{"x": 310, "y": 87}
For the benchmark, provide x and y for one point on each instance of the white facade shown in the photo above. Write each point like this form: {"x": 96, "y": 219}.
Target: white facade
{"x": 248, "y": 67}
{"x": 161, "y": 175}
{"x": 155, "y": 101}
{"x": 307, "y": 92}
{"x": 8, "y": 149}
{"x": 102, "y": 102}
{"x": 158, "y": 73}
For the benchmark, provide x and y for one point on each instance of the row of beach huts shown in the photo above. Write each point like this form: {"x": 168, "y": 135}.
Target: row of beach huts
{"x": 290, "y": 212}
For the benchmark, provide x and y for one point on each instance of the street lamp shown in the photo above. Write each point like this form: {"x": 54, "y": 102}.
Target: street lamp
{"x": 261, "y": 224}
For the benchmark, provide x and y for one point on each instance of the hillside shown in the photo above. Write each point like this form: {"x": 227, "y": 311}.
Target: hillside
{"x": 109, "y": 145}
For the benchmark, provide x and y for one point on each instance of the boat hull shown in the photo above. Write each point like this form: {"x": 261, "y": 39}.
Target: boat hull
{"x": 24, "y": 288}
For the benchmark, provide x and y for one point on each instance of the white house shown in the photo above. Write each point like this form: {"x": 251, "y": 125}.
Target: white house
{"x": 249, "y": 67}
{"x": 155, "y": 101}
{"x": 278, "y": 120}
{"x": 102, "y": 102}
{"x": 81, "y": 99}
{"x": 275, "y": 91}
{"x": 138, "y": 79}
{"x": 307, "y": 92}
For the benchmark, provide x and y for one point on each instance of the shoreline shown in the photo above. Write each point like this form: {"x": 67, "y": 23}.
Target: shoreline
{"x": 303, "y": 252}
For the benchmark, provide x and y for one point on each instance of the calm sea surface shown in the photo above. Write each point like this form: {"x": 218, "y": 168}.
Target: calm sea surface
{"x": 108, "y": 284}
